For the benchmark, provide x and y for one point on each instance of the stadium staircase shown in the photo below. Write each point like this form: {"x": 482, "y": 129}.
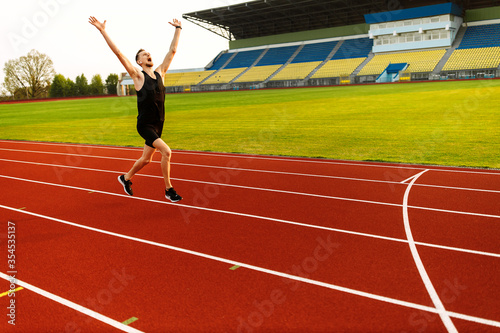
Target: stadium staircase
{"x": 449, "y": 52}
{"x": 285, "y": 64}
{"x": 363, "y": 64}
{"x": 221, "y": 68}
{"x": 330, "y": 56}
{"x": 252, "y": 66}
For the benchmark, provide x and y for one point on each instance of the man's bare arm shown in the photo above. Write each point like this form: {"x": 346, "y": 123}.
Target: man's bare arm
{"x": 131, "y": 70}
{"x": 162, "y": 69}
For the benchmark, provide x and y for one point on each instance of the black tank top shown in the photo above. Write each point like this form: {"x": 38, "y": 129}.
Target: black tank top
{"x": 151, "y": 100}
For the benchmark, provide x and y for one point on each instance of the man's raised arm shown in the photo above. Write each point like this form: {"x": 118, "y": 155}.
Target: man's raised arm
{"x": 162, "y": 69}
{"x": 132, "y": 71}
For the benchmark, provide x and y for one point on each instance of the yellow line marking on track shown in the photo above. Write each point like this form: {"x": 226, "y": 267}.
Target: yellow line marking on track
{"x": 130, "y": 321}
{"x": 10, "y": 292}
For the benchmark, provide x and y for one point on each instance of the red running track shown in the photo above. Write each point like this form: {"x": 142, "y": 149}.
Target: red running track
{"x": 259, "y": 244}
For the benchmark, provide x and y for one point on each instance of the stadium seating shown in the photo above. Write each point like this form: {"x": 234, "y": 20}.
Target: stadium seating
{"x": 354, "y": 48}
{"x": 240, "y": 60}
{"x": 481, "y": 58}
{"x": 277, "y": 55}
{"x": 479, "y": 49}
{"x": 258, "y": 73}
{"x": 481, "y": 36}
{"x": 297, "y": 71}
{"x": 224, "y": 76}
{"x": 244, "y": 59}
{"x": 221, "y": 61}
{"x": 314, "y": 52}
{"x": 339, "y": 67}
{"x": 419, "y": 62}
{"x": 186, "y": 78}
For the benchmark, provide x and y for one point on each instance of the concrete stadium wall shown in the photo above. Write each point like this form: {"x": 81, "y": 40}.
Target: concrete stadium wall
{"x": 350, "y": 30}
{"x": 482, "y": 14}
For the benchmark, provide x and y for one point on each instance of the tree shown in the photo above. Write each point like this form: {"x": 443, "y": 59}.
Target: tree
{"x": 70, "y": 88}
{"x": 111, "y": 83}
{"x": 31, "y": 74}
{"x": 96, "y": 86}
{"x": 81, "y": 86}
{"x": 58, "y": 88}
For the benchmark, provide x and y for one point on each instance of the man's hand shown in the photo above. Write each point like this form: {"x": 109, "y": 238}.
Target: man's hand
{"x": 100, "y": 26}
{"x": 131, "y": 70}
{"x": 176, "y": 23}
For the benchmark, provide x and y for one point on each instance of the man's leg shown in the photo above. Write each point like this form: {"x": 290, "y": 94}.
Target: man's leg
{"x": 145, "y": 159}
{"x": 166, "y": 154}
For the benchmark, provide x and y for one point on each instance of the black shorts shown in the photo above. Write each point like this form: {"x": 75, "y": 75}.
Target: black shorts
{"x": 150, "y": 132}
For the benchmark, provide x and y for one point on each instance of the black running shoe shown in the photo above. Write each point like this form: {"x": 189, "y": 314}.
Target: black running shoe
{"x": 171, "y": 195}
{"x": 127, "y": 185}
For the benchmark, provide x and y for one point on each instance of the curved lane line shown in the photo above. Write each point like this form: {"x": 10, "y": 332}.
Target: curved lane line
{"x": 420, "y": 266}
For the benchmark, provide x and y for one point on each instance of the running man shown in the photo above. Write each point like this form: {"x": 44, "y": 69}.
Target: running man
{"x": 151, "y": 105}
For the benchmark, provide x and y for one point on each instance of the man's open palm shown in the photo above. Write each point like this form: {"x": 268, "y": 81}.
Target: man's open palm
{"x": 100, "y": 26}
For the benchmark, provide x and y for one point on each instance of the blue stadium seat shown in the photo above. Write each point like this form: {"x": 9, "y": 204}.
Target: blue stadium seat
{"x": 221, "y": 61}
{"x": 244, "y": 59}
{"x": 354, "y": 48}
{"x": 315, "y": 52}
{"x": 277, "y": 55}
{"x": 481, "y": 36}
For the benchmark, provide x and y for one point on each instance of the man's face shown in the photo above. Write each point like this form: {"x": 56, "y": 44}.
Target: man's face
{"x": 145, "y": 59}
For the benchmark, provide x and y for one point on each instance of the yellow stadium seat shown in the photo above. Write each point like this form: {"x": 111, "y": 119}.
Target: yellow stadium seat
{"x": 224, "y": 76}
{"x": 297, "y": 71}
{"x": 419, "y": 61}
{"x": 186, "y": 78}
{"x": 337, "y": 68}
{"x": 481, "y": 58}
{"x": 258, "y": 74}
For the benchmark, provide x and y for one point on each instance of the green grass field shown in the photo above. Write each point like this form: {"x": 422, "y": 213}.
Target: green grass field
{"x": 444, "y": 123}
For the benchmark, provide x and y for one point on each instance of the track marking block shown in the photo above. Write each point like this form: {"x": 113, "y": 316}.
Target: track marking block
{"x": 22, "y": 208}
{"x": 130, "y": 321}
{"x": 235, "y": 267}
{"x": 10, "y": 292}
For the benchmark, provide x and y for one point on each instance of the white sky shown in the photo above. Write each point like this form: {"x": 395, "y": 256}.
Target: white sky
{"x": 60, "y": 29}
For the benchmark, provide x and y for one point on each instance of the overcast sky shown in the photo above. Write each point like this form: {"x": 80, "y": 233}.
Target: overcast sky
{"x": 60, "y": 29}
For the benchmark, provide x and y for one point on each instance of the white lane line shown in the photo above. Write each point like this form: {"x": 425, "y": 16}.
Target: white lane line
{"x": 285, "y": 159}
{"x": 260, "y": 269}
{"x": 332, "y": 197}
{"x": 247, "y": 170}
{"x": 198, "y": 165}
{"x": 355, "y": 233}
{"x": 420, "y": 265}
{"x": 190, "y": 181}
{"x": 71, "y": 305}
{"x": 409, "y": 179}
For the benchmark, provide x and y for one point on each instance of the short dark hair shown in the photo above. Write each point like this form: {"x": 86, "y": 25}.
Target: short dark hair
{"x": 137, "y": 55}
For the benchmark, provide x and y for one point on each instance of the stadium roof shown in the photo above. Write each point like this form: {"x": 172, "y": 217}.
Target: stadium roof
{"x": 261, "y": 18}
